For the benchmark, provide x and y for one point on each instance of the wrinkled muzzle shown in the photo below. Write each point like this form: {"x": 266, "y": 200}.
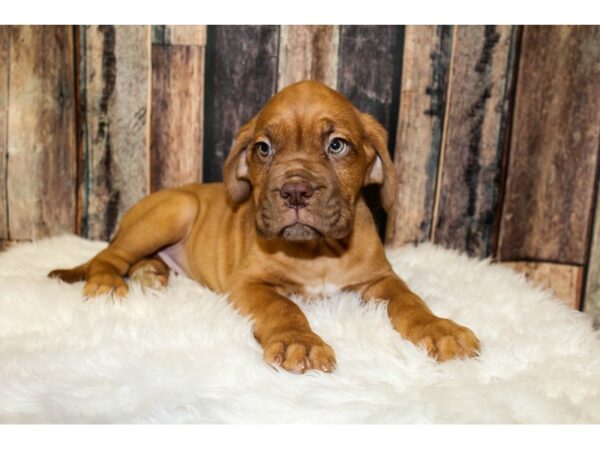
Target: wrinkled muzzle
{"x": 299, "y": 205}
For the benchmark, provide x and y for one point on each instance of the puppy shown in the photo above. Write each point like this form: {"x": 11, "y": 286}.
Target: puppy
{"x": 288, "y": 218}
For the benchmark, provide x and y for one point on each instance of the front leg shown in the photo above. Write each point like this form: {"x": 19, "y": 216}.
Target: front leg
{"x": 282, "y": 329}
{"x": 410, "y": 316}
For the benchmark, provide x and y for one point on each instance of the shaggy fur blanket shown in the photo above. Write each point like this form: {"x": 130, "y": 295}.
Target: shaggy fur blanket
{"x": 184, "y": 354}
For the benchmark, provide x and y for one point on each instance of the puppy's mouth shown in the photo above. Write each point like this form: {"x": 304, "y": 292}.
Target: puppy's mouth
{"x": 300, "y": 232}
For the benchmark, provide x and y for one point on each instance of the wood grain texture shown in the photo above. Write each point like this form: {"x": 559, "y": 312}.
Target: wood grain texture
{"x": 418, "y": 140}
{"x": 42, "y": 152}
{"x": 4, "y": 72}
{"x": 179, "y": 34}
{"x": 116, "y": 92}
{"x": 564, "y": 280}
{"x": 554, "y": 146}
{"x": 474, "y": 137}
{"x": 308, "y": 52}
{"x": 177, "y": 115}
{"x": 591, "y": 301}
{"x": 241, "y": 68}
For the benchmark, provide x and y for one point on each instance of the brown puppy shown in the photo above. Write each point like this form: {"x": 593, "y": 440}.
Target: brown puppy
{"x": 288, "y": 218}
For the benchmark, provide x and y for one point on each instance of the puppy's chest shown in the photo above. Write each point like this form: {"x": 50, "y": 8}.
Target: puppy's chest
{"x": 318, "y": 280}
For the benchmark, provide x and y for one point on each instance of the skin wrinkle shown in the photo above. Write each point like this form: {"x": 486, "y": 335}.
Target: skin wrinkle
{"x": 241, "y": 238}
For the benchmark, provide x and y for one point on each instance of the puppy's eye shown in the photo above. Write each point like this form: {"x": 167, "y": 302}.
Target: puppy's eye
{"x": 337, "y": 146}
{"x": 264, "y": 149}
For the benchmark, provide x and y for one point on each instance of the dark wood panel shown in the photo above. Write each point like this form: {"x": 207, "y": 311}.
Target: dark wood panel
{"x": 308, "y": 52}
{"x": 177, "y": 115}
{"x": 370, "y": 68}
{"x": 554, "y": 146}
{"x": 418, "y": 140}
{"x": 370, "y": 65}
{"x": 241, "y": 75}
{"x": 116, "y": 94}
{"x": 565, "y": 281}
{"x": 474, "y": 137}
{"x": 41, "y": 183}
{"x": 4, "y": 67}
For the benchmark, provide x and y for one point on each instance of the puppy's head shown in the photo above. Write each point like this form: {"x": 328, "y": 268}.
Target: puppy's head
{"x": 304, "y": 159}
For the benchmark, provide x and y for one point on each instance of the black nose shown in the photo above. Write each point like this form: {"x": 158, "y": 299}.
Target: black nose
{"x": 295, "y": 194}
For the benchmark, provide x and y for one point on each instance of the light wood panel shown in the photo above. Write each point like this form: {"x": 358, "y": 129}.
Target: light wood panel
{"x": 4, "y": 72}
{"x": 41, "y": 181}
{"x": 308, "y": 52}
{"x": 116, "y": 93}
{"x": 177, "y": 114}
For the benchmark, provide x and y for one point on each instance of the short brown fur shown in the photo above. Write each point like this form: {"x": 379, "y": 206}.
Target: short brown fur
{"x": 288, "y": 217}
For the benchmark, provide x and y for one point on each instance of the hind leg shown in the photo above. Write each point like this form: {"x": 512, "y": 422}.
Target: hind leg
{"x": 151, "y": 272}
{"x": 162, "y": 219}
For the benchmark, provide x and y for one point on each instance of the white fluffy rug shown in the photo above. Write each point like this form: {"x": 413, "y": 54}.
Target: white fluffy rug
{"x": 184, "y": 355}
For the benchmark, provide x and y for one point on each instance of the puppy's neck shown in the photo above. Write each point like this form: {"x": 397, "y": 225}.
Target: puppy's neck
{"x": 309, "y": 249}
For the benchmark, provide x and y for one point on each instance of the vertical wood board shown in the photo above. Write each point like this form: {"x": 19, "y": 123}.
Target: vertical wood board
{"x": 4, "y": 72}
{"x": 474, "y": 137}
{"x": 422, "y": 103}
{"x": 308, "y": 52}
{"x": 117, "y": 96}
{"x": 41, "y": 184}
{"x": 591, "y": 302}
{"x": 177, "y": 115}
{"x": 554, "y": 146}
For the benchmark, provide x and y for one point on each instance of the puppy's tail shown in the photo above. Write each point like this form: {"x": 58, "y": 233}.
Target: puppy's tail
{"x": 70, "y": 275}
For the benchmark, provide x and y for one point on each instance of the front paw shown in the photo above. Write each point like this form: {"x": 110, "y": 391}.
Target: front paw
{"x": 298, "y": 351}
{"x": 444, "y": 339}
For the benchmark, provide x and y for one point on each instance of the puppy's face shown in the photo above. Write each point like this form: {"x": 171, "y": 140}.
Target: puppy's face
{"x": 303, "y": 159}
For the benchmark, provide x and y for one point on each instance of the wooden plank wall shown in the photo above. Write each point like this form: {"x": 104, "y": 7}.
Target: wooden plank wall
{"x": 495, "y": 130}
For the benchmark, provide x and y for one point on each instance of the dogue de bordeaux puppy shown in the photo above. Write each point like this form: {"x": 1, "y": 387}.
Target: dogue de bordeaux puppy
{"x": 288, "y": 218}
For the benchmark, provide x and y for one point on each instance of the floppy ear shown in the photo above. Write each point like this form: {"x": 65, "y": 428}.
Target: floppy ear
{"x": 382, "y": 170}
{"x": 235, "y": 169}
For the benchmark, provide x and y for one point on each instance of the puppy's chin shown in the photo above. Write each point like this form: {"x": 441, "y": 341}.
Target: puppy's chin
{"x": 299, "y": 232}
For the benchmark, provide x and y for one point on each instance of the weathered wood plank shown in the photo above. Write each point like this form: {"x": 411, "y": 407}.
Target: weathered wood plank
{"x": 42, "y": 152}
{"x": 177, "y": 115}
{"x": 179, "y": 34}
{"x": 418, "y": 140}
{"x": 369, "y": 75}
{"x": 116, "y": 149}
{"x": 564, "y": 280}
{"x": 241, "y": 75}
{"x": 482, "y": 69}
{"x": 308, "y": 52}
{"x": 554, "y": 146}
{"x": 4, "y": 71}
{"x": 591, "y": 301}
